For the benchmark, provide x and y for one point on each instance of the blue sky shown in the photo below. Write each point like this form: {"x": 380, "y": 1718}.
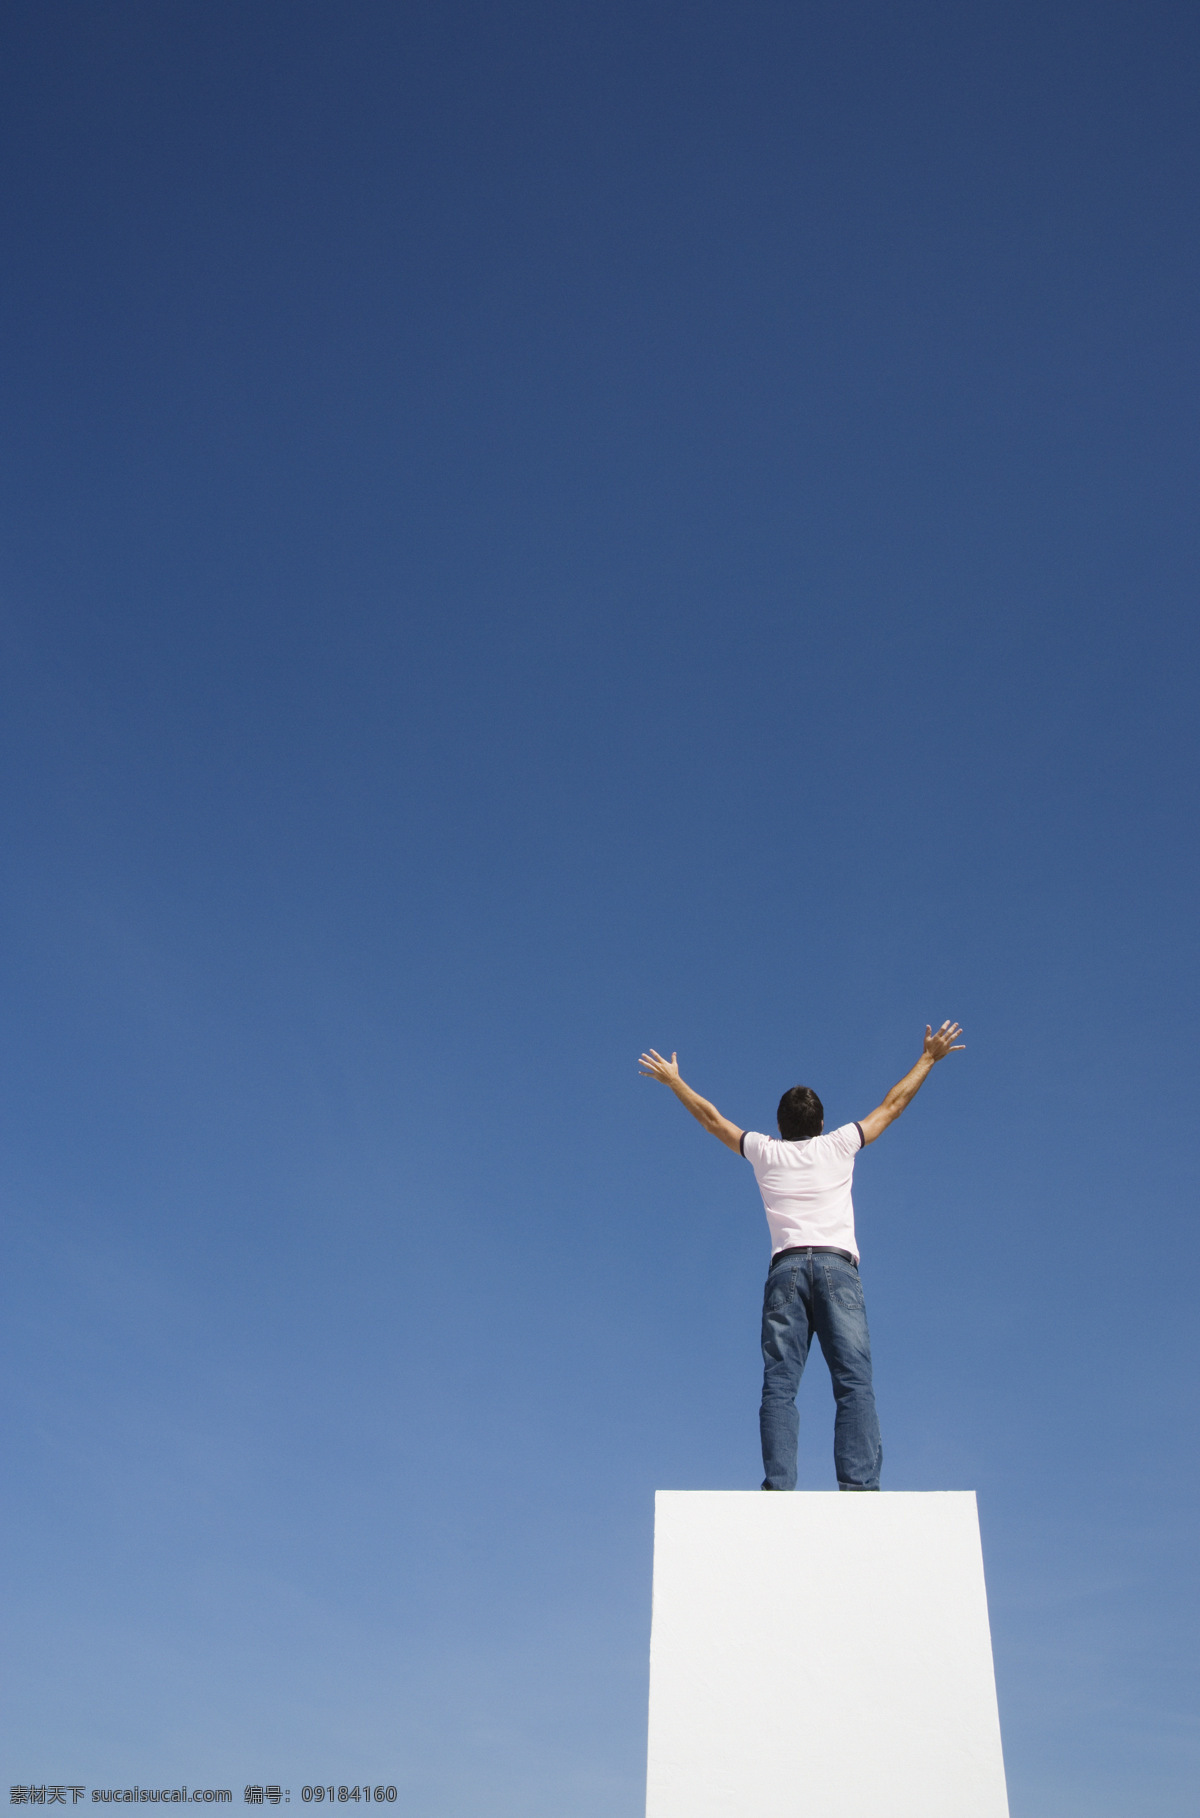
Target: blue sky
{"x": 528, "y": 532}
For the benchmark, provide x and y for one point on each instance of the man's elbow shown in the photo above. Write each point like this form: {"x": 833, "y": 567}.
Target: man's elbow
{"x": 874, "y": 1126}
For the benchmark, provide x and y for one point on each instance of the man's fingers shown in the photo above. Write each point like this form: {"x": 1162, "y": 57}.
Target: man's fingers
{"x": 944, "y": 1041}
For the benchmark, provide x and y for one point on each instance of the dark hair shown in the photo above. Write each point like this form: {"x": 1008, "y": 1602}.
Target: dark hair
{"x": 800, "y": 1114}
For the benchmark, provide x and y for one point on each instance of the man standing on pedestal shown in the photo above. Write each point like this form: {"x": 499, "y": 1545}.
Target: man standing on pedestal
{"x": 812, "y": 1286}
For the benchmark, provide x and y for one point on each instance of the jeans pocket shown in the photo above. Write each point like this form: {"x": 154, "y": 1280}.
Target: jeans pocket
{"x": 781, "y": 1289}
{"x": 843, "y": 1286}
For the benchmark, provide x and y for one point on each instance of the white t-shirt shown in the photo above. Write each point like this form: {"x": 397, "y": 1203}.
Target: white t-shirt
{"x": 805, "y": 1187}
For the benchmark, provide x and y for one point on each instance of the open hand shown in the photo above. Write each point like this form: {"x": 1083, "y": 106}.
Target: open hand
{"x": 653, "y": 1066}
{"x": 938, "y": 1046}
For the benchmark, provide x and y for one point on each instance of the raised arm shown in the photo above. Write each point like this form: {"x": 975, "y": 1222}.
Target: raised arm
{"x": 653, "y": 1066}
{"x": 937, "y": 1047}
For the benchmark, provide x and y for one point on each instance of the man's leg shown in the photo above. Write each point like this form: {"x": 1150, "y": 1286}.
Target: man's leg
{"x": 786, "y": 1332}
{"x": 840, "y": 1320}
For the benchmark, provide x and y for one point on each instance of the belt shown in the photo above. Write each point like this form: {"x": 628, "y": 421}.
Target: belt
{"x": 810, "y": 1250}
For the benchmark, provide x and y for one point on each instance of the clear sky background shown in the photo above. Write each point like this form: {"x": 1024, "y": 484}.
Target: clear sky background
{"x": 530, "y": 531}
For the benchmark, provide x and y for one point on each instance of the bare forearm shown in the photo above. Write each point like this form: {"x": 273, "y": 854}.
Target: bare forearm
{"x": 901, "y": 1094}
{"x": 937, "y": 1047}
{"x": 701, "y": 1110}
{"x": 653, "y": 1066}
{"x": 905, "y": 1090}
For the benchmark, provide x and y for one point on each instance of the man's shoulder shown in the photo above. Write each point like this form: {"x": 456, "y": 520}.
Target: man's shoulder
{"x": 847, "y": 1139}
{"x": 757, "y": 1146}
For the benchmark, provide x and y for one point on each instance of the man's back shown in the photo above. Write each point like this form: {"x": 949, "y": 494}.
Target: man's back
{"x": 805, "y": 1187}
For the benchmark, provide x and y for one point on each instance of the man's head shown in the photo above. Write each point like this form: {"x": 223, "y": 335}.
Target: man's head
{"x": 800, "y": 1114}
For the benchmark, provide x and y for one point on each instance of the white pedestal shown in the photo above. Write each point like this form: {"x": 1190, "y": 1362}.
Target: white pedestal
{"x": 820, "y": 1655}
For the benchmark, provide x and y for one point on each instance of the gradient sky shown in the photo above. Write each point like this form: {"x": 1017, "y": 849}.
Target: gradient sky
{"x": 531, "y": 531}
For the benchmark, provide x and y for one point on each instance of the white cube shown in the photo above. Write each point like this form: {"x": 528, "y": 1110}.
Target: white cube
{"x": 819, "y": 1655}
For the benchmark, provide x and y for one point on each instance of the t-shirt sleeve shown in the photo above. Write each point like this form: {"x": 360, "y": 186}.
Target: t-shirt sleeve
{"x": 849, "y": 1139}
{"x": 752, "y": 1146}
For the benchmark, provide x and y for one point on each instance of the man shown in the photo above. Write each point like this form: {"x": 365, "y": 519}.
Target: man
{"x": 812, "y": 1284}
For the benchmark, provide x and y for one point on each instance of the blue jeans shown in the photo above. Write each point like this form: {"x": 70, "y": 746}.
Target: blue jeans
{"x": 817, "y": 1291}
